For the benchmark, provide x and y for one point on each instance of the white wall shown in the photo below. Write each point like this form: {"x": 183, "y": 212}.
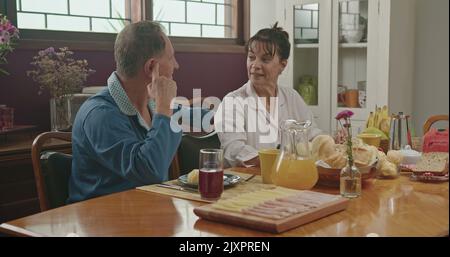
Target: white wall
{"x": 402, "y": 49}
{"x": 262, "y": 14}
{"x": 431, "y": 63}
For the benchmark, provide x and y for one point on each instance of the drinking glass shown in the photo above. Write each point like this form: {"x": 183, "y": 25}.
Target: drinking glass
{"x": 211, "y": 176}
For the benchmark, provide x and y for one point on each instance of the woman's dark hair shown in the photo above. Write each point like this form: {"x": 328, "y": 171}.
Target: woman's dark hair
{"x": 274, "y": 40}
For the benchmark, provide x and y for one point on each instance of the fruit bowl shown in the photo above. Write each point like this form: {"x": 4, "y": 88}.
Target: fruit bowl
{"x": 330, "y": 176}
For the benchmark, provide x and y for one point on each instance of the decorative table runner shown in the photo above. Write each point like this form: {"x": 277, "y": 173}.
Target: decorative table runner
{"x": 241, "y": 187}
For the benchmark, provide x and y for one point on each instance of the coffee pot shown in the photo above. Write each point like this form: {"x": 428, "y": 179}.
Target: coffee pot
{"x": 400, "y": 132}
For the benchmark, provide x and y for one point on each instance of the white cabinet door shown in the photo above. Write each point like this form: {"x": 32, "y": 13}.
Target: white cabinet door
{"x": 335, "y": 48}
{"x": 354, "y": 58}
{"x": 308, "y": 23}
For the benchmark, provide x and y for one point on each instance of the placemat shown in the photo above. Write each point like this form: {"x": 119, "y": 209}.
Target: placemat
{"x": 241, "y": 187}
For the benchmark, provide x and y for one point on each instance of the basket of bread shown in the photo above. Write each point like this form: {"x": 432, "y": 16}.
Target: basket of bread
{"x": 331, "y": 158}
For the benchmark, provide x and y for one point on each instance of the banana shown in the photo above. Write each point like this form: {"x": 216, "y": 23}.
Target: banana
{"x": 379, "y": 117}
{"x": 370, "y": 120}
{"x": 379, "y": 122}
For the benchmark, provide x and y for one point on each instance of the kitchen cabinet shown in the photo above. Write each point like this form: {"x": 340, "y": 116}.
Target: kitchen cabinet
{"x": 350, "y": 54}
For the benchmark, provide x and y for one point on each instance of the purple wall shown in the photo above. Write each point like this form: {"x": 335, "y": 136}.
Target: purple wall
{"x": 216, "y": 74}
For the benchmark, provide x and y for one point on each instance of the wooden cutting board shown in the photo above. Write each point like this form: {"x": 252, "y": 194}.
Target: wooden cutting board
{"x": 270, "y": 225}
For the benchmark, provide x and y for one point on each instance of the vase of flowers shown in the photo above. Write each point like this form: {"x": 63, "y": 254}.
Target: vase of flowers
{"x": 62, "y": 76}
{"x": 8, "y": 35}
{"x": 350, "y": 176}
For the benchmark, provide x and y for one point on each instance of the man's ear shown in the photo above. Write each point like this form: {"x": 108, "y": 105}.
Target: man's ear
{"x": 148, "y": 67}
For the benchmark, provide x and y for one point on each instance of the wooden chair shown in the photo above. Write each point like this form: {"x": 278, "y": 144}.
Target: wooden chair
{"x": 431, "y": 120}
{"x": 51, "y": 171}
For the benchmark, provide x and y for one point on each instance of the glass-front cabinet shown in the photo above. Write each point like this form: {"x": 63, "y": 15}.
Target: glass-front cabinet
{"x": 331, "y": 56}
{"x": 353, "y": 56}
{"x": 310, "y": 35}
{"x": 350, "y": 54}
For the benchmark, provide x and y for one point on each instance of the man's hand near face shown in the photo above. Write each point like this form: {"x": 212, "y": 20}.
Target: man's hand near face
{"x": 163, "y": 90}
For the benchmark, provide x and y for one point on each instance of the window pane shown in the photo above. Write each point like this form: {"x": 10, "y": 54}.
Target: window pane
{"x": 185, "y": 30}
{"x": 98, "y": 8}
{"x": 119, "y": 9}
{"x": 213, "y": 31}
{"x": 215, "y": 17}
{"x": 215, "y": 1}
{"x": 164, "y": 10}
{"x": 315, "y": 20}
{"x": 31, "y": 21}
{"x": 108, "y": 25}
{"x": 56, "y": 22}
{"x": 70, "y": 12}
{"x": 47, "y": 6}
{"x": 192, "y": 18}
{"x": 302, "y": 18}
{"x": 207, "y": 11}
{"x": 310, "y": 33}
{"x": 166, "y": 27}
{"x": 221, "y": 14}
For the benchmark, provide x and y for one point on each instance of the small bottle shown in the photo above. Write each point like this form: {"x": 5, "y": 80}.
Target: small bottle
{"x": 350, "y": 181}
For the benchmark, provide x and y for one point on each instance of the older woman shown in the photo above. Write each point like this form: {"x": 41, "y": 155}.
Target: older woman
{"x": 248, "y": 118}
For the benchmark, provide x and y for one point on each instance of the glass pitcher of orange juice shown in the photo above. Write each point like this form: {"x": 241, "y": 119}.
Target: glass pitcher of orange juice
{"x": 294, "y": 167}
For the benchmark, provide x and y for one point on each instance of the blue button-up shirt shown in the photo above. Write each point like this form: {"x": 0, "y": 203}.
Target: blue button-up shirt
{"x": 114, "y": 149}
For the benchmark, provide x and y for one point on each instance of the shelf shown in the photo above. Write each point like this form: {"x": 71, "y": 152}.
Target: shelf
{"x": 17, "y": 128}
{"x": 353, "y": 45}
{"x": 306, "y": 45}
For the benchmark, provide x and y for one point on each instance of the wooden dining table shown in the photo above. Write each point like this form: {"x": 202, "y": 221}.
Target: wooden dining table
{"x": 395, "y": 207}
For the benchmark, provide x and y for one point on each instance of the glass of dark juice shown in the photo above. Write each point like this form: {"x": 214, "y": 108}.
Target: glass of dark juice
{"x": 210, "y": 182}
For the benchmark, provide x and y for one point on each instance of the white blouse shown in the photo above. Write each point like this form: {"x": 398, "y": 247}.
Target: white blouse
{"x": 244, "y": 126}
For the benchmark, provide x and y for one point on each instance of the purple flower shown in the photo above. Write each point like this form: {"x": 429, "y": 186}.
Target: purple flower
{"x": 49, "y": 51}
{"x": 56, "y": 72}
{"x": 345, "y": 114}
{"x": 8, "y": 33}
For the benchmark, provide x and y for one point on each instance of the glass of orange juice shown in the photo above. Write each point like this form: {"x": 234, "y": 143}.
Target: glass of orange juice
{"x": 267, "y": 158}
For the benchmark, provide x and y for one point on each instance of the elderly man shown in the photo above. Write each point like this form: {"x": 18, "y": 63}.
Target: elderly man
{"x": 123, "y": 136}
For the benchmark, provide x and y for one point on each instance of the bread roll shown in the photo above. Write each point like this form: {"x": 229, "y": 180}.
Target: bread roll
{"x": 362, "y": 156}
{"x": 395, "y": 157}
{"x": 336, "y": 160}
{"x": 322, "y": 147}
{"x": 387, "y": 169}
{"x": 192, "y": 177}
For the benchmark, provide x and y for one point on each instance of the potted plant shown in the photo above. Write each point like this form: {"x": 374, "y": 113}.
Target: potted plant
{"x": 8, "y": 35}
{"x": 60, "y": 74}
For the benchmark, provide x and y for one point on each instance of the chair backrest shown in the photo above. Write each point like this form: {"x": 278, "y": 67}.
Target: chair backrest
{"x": 429, "y": 122}
{"x": 51, "y": 171}
{"x": 188, "y": 152}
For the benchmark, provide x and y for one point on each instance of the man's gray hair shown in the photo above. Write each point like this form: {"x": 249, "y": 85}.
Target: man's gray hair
{"x": 135, "y": 44}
